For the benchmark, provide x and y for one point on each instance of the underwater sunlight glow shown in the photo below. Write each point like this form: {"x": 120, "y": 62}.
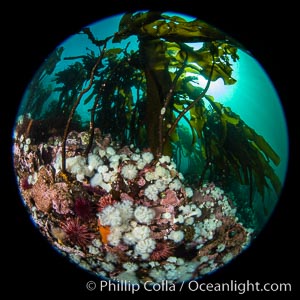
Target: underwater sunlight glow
{"x": 150, "y": 147}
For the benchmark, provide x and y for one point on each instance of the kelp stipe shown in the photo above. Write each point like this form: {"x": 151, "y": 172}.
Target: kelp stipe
{"x": 130, "y": 163}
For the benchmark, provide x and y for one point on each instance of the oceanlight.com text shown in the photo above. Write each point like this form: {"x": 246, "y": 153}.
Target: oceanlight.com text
{"x": 239, "y": 287}
{"x": 193, "y": 286}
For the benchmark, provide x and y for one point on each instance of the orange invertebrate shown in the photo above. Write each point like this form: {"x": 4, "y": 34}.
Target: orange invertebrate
{"x": 104, "y": 232}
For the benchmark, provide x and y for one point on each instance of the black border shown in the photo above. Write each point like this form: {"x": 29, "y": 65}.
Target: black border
{"x": 30, "y": 35}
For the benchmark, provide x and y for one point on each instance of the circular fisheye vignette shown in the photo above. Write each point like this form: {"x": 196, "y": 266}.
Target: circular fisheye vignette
{"x": 141, "y": 150}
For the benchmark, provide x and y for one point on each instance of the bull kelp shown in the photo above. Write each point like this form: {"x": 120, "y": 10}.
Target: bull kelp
{"x": 132, "y": 162}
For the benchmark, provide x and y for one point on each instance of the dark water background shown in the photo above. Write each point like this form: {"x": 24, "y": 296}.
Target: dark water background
{"x": 253, "y": 97}
{"x": 273, "y": 253}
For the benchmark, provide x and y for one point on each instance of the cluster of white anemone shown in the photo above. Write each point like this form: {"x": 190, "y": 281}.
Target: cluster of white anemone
{"x": 130, "y": 222}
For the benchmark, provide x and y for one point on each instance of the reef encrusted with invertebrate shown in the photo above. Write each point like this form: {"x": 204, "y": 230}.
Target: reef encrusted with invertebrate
{"x": 123, "y": 214}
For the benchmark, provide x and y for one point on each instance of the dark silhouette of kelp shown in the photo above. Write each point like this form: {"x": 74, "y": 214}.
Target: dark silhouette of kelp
{"x": 144, "y": 96}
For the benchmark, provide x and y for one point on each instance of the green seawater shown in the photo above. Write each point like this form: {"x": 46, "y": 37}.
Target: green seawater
{"x": 235, "y": 135}
{"x": 255, "y": 99}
